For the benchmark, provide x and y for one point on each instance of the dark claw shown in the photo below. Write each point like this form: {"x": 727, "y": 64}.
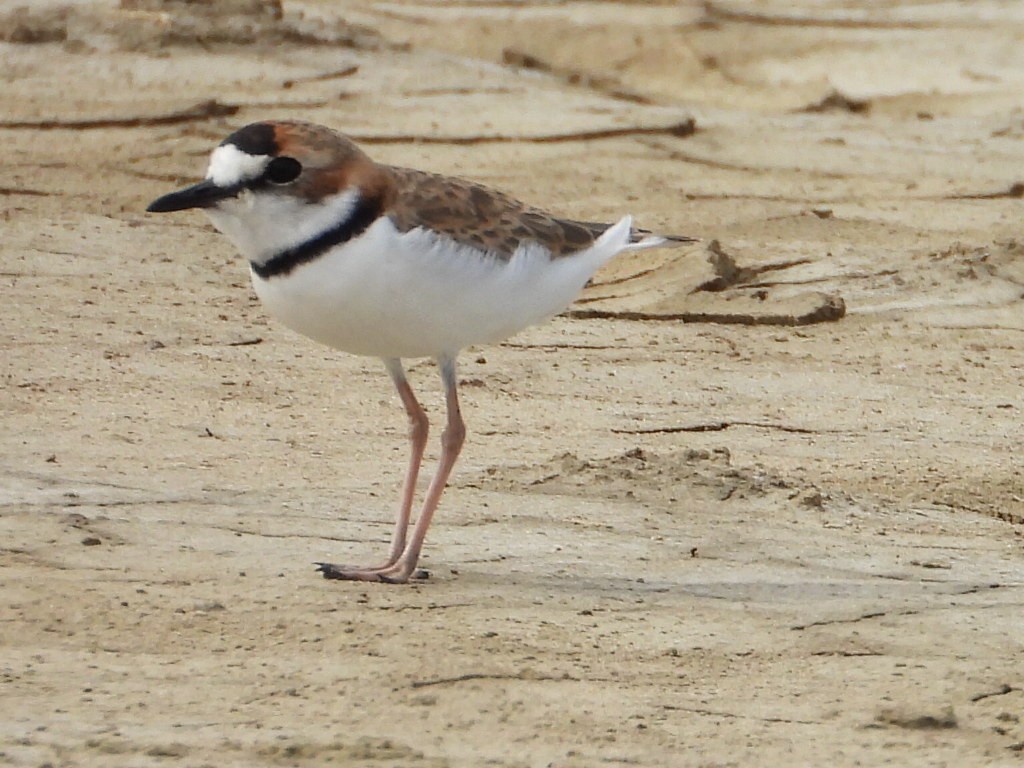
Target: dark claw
{"x": 420, "y": 574}
{"x": 329, "y": 570}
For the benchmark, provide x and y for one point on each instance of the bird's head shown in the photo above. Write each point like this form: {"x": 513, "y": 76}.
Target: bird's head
{"x": 271, "y": 186}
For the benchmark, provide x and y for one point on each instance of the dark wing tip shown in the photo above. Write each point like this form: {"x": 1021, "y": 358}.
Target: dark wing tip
{"x": 639, "y": 235}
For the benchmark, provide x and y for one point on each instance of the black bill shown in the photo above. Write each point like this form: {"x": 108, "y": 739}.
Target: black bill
{"x": 201, "y": 195}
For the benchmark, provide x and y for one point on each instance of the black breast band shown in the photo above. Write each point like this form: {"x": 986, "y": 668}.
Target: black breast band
{"x": 282, "y": 263}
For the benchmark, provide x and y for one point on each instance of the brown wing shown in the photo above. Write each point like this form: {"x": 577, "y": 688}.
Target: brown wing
{"x": 477, "y": 216}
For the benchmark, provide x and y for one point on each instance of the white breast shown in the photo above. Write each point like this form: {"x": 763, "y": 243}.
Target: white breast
{"x": 414, "y": 294}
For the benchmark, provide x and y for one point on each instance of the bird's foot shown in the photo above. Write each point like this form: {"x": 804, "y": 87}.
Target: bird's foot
{"x": 396, "y": 573}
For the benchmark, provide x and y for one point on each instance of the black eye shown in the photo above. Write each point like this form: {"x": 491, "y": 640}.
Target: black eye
{"x": 283, "y": 170}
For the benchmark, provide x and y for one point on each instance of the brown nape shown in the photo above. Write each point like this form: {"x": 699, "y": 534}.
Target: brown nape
{"x": 331, "y": 161}
{"x": 470, "y": 214}
{"x": 312, "y": 140}
{"x": 480, "y": 217}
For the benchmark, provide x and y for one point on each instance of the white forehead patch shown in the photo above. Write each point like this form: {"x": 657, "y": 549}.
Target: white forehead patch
{"x": 229, "y": 166}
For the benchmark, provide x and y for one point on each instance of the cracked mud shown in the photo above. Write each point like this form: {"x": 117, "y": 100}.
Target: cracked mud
{"x": 754, "y": 502}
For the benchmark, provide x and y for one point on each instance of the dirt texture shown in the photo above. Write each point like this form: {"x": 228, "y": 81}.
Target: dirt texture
{"x": 756, "y": 501}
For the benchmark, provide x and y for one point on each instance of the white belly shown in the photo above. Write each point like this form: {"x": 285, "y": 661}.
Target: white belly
{"x": 390, "y": 294}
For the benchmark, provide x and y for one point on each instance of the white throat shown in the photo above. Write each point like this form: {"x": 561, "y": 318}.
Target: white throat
{"x": 262, "y": 224}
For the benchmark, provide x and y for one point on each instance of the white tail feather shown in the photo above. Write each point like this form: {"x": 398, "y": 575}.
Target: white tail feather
{"x": 647, "y": 241}
{"x": 622, "y": 235}
{"x": 617, "y": 236}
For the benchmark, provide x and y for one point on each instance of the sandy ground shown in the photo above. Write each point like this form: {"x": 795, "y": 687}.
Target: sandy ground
{"x": 750, "y": 502}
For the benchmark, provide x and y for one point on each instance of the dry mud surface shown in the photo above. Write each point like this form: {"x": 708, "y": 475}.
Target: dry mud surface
{"x": 753, "y": 502}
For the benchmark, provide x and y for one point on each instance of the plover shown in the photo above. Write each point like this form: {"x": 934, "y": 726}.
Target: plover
{"x": 394, "y": 263}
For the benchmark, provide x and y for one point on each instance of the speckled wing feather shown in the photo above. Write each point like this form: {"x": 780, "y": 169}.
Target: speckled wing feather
{"x": 480, "y": 217}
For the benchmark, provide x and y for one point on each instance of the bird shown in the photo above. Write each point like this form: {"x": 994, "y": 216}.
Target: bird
{"x": 397, "y": 264}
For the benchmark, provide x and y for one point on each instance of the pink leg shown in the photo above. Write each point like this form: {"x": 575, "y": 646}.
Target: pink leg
{"x": 452, "y": 438}
{"x": 418, "y": 429}
{"x": 403, "y": 557}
